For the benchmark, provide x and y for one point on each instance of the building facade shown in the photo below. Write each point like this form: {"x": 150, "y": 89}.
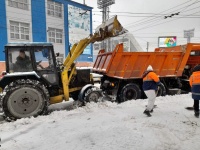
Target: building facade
{"x": 61, "y": 22}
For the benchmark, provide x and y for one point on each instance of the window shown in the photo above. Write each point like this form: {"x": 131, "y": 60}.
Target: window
{"x": 19, "y": 60}
{"x": 19, "y": 30}
{"x": 55, "y": 35}
{"x": 41, "y": 56}
{"x": 22, "y": 4}
{"x": 54, "y": 9}
{"x": 44, "y": 61}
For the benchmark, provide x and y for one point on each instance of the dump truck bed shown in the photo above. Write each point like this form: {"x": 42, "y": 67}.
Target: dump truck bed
{"x": 166, "y": 62}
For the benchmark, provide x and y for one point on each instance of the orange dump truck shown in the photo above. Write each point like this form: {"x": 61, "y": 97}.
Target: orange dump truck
{"x": 122, "y": 71}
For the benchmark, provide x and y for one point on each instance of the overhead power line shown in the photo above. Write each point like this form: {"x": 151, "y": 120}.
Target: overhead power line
{"x": 156, "y": 18}
{"x": 174, "y": 14}
{"x": 161, "y": 32}
{"x": 182, "y": 16}
{"x": 132, "y": 14}
{"x": 162, "y": 23}
{"x": 156, "y": 23}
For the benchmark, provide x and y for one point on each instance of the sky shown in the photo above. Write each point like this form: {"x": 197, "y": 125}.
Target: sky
{"x": 145, "y": 19}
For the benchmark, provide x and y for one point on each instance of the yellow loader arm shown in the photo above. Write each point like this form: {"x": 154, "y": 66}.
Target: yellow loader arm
{"x": 110, "y": 28}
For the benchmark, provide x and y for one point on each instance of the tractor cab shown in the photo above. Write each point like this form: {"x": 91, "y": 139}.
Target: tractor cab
{"x": 32, "y": 57}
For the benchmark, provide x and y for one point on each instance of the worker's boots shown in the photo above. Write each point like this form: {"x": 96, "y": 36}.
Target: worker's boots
{"x": 196, "y": 114}
{"x": 147, "y": 112}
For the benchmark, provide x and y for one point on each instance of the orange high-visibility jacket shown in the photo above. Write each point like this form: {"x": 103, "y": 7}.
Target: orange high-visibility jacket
{"x": 150, "y": 81}
{"x": 195, "y": 84}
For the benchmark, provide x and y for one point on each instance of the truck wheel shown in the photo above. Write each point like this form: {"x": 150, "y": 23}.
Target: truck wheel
{"x": 129, "y": 92}
{"x": 161, "y": 91}
{"x": 25, "y": 98}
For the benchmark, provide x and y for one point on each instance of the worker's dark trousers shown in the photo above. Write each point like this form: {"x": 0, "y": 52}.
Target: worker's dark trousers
{"x": 196, "y": 105}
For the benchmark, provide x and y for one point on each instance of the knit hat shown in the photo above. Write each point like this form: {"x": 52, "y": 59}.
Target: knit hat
{"x": 149, "y": 68}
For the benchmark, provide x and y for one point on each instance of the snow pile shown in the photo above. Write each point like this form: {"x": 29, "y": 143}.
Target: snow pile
{"x": 108, "y": 126}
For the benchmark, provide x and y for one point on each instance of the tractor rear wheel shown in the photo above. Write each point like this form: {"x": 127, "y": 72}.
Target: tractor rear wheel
{"x": 25, "y": 98}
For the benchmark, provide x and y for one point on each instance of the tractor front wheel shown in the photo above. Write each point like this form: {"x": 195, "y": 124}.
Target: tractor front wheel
{"x": 89, "y": 93}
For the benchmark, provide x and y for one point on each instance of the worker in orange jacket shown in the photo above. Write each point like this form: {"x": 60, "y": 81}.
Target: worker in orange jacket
{"x": 195, "y": 88}
{"x": 150, "y": 86}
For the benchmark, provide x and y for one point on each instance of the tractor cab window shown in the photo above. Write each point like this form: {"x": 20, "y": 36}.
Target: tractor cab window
{"x": 41, "y": 61}
{"x": 43, "y": 58}
{"x": 19, "y": 60}
{"x": 45, "y": 64}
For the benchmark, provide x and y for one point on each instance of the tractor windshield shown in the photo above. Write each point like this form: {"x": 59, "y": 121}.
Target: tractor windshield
{"x": 19, "y": 60}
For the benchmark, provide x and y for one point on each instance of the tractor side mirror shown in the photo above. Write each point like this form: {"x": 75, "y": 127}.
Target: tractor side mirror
{"x": 57, "y": 54}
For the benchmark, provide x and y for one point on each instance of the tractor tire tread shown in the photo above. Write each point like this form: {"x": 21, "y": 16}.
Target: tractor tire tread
{"x": 24, "y": 83}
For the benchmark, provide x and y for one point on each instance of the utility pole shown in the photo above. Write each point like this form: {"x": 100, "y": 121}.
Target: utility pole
{"x": 188, "y": 34}
{"x": 105, "y": 14}
{"x": 104, "y": 5}
{"x": 147, "y": 46}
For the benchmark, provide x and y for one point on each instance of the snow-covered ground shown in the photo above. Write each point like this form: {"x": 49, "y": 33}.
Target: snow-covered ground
{"x": 108, "y": 126}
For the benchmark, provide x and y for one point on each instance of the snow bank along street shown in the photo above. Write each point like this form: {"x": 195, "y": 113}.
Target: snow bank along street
{"x": 108, "y": 126}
